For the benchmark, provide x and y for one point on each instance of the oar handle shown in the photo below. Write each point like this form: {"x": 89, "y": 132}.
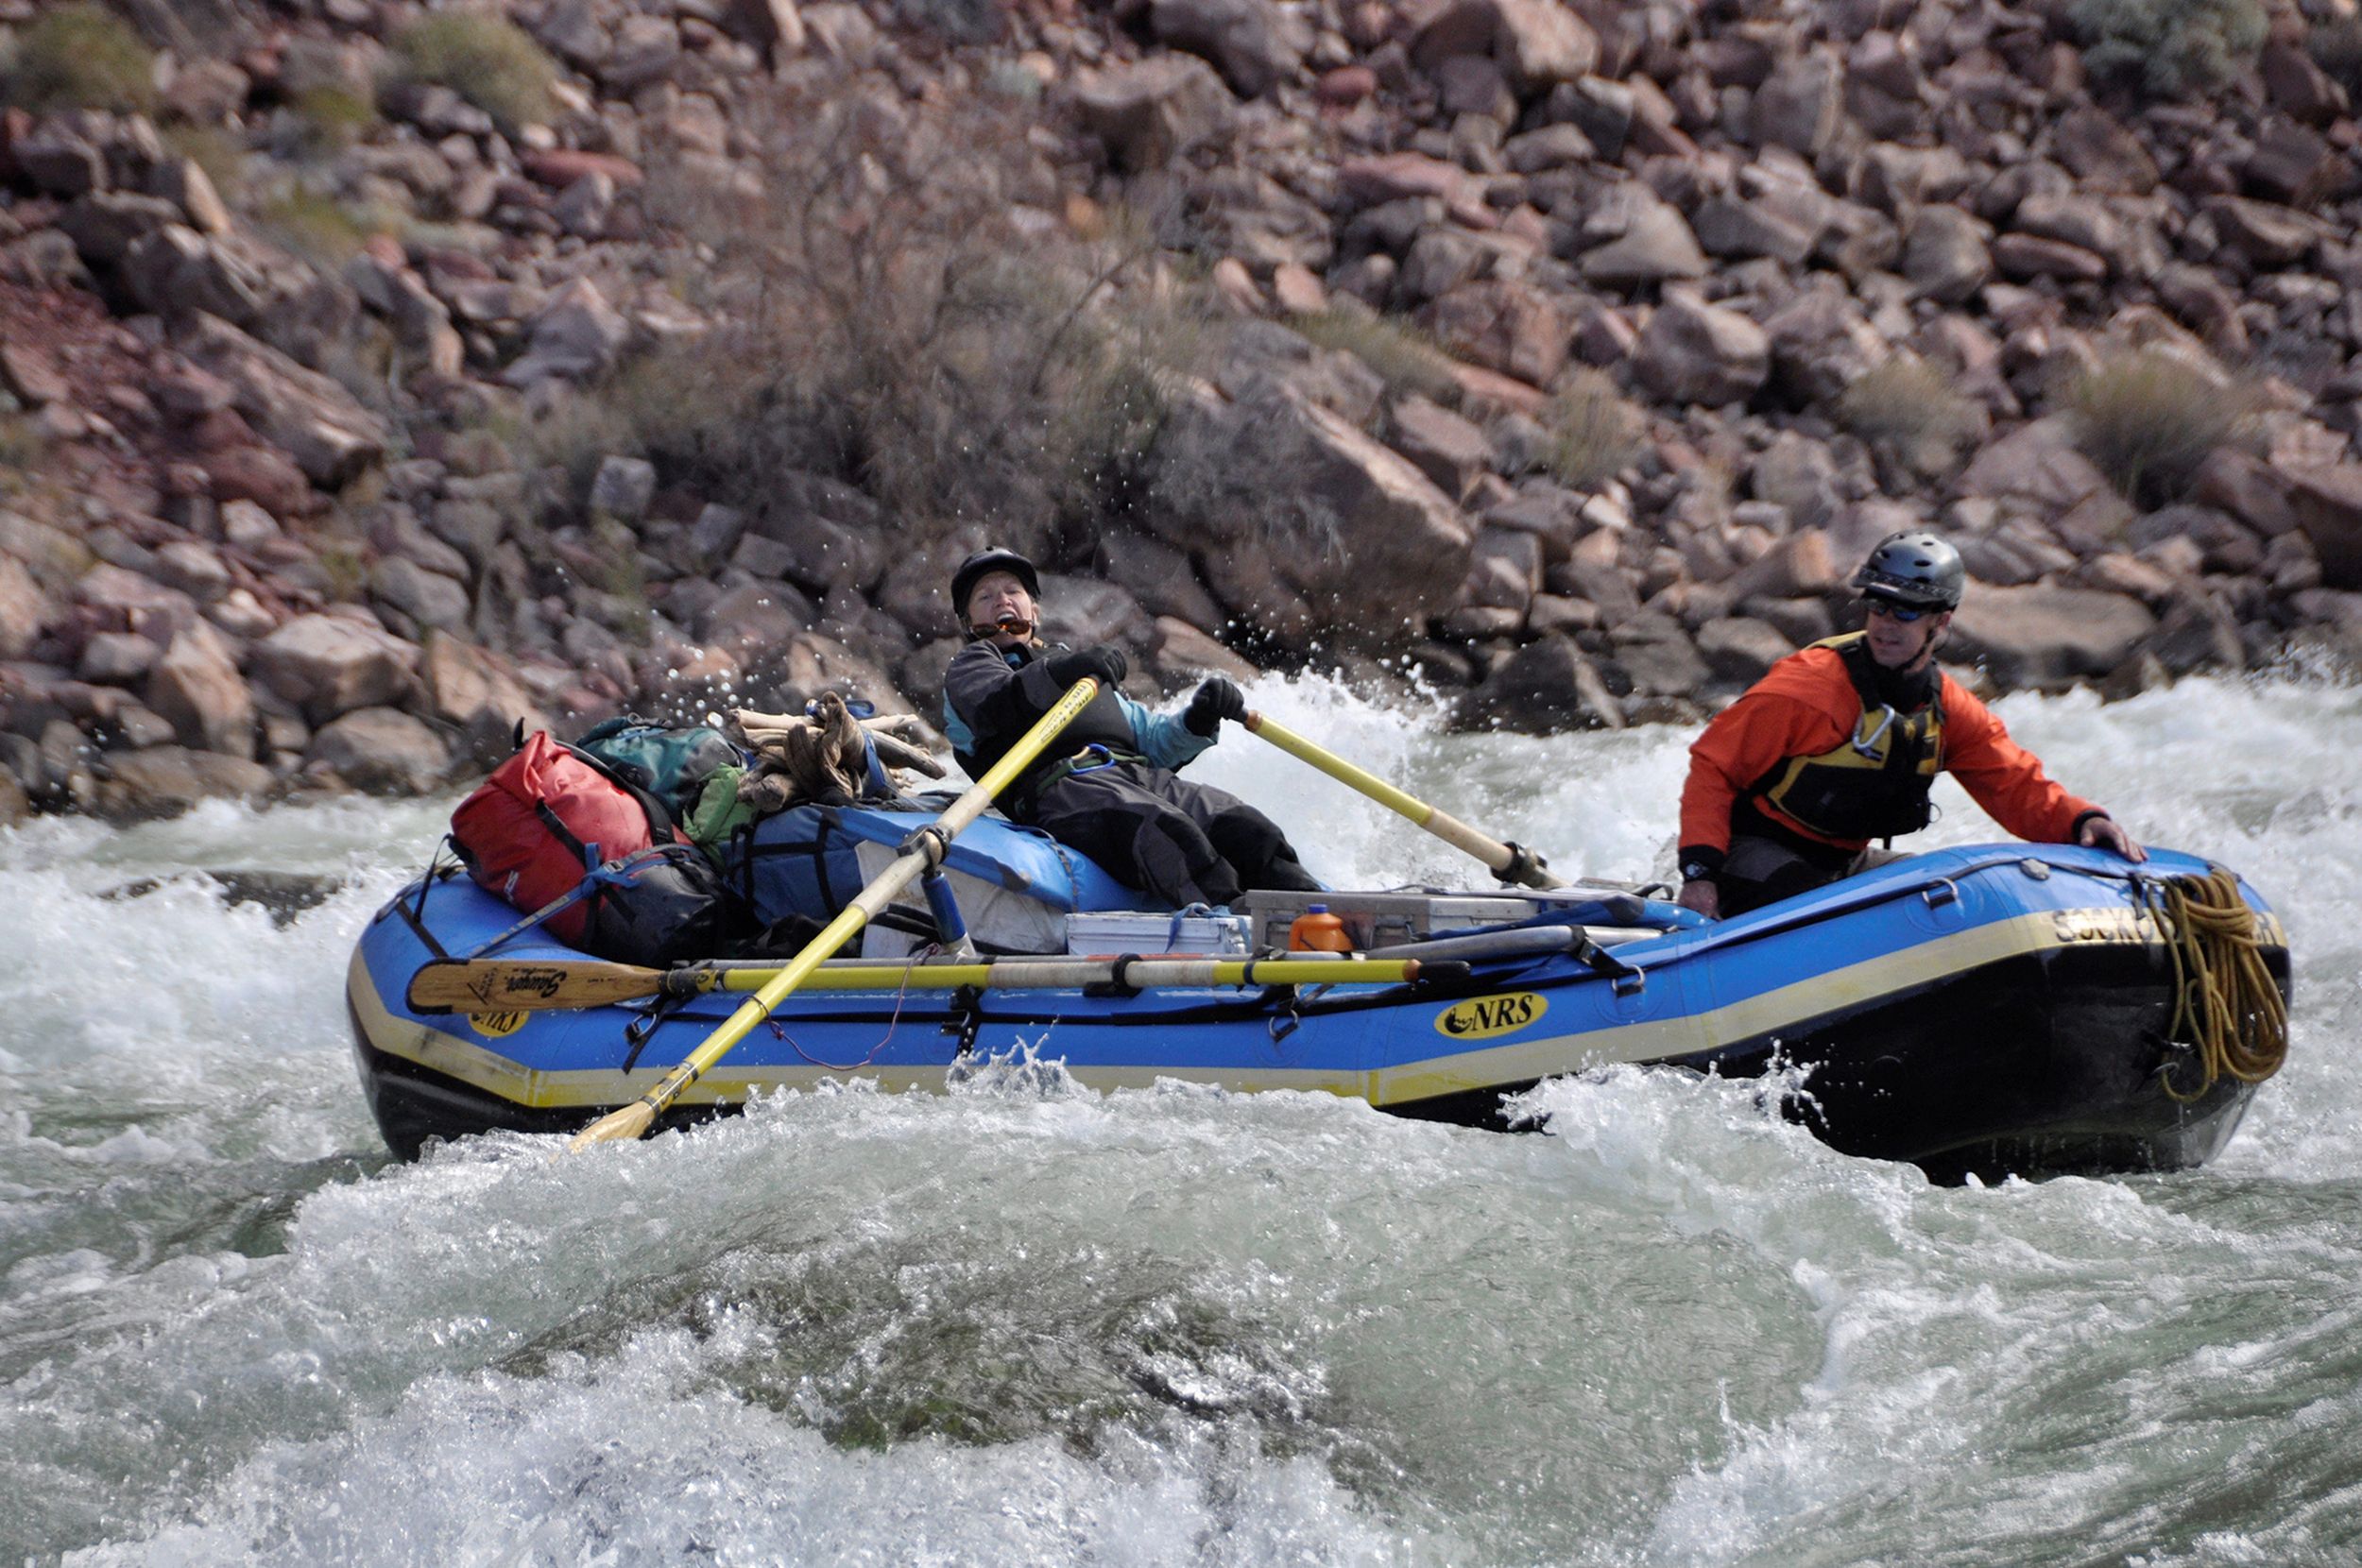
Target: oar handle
{"x": 1512, "y": 862}
{"x": 925, "y": 849}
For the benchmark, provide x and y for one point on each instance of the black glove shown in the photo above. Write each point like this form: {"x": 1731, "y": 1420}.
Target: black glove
{"x": 1106, "y": 665}
{"x": 1218, "y": 699}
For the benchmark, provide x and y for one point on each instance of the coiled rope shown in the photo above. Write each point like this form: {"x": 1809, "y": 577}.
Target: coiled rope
{"x": 2226, "y": 1003}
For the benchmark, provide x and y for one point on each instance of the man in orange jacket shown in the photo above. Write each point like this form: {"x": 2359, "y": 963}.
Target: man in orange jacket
{"x": 1839, "y": 743}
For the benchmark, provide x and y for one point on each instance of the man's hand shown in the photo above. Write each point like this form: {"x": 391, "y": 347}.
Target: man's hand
{"x": 2103, "y": 833}
{"x": 1103, "y": 664}
{"x": 1218, "y": 698}
{"x": 1702, "y": 897}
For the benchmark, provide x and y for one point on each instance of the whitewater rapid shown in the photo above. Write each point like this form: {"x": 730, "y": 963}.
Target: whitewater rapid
{"x": 1025, "y": 1322}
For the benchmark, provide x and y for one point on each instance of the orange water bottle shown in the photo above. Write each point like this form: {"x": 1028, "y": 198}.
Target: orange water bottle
{"x": 1316, "y": 931}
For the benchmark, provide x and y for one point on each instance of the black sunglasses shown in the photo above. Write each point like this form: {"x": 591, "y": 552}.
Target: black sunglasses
{"x": 1888, "y": 606}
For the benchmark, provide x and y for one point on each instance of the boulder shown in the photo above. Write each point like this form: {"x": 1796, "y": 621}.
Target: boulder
{"x": 755, "y": 622}
{"x": 312, "y": 417}
{"x": 1821, "y": 343}
{"x": 1946, "y": 254}
{"x": 1656, "y": 653}
{"x": 2038, "y": 462}
{"x": 327, "y": 665}
{"x": 2267, "y": 234}
{"x": 429, "y": 598}
{"x": 1083, "y": 612}
{"x": 1306, "y": 525}
{"x": 1449, "y": 450}
{"x": 1504, "y": 570}
{"x": 2328, "y": 503}
{"x": 1161, "y": 577}
{"x": 23, "y": 609}
{"x": 1739, "y": 650}
{"x": 1256, "y": 45}
{"x": 1149, "y": 112}
{"x": 382, "y": 751}
{"x": 1508, "y": 327}
{"x": 1693, "y": 352}
{"x": 1657, "y": 246}
{"x": 1802, "y": 105}
{"x": 476, "y": 694}
{"x": 1537, "y": 43}
{"x": 165, "y": 781}
{"x": 104, "y": 224}
{"x": 1183, "y": 652}
{"x": 577, "y": 335}
{"x": 622, "y": 488}
{"x": 196, "y": 688}
{"x": 2046, "y": 636}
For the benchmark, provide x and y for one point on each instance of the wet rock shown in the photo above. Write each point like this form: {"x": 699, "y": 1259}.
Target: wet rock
{"x": 1544, "y": 687}
{"x": 165, "y": 781}
{"x": 381, "y": 751}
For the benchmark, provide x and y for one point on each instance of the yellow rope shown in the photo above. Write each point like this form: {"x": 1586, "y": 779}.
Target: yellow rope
{"x": 2226, "y": 1003}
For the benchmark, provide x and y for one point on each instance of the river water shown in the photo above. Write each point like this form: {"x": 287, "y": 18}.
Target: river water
{"x": 1028, "y": 1324}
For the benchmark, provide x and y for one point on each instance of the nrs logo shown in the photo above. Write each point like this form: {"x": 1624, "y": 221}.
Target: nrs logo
{"x": 1481, "y": 1017}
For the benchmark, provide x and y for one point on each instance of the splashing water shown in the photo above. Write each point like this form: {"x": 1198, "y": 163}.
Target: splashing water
{"x": 1028, "y": 1322}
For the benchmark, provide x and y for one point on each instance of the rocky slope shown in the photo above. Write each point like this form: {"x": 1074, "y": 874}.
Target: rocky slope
{"x": 355, "y": 407}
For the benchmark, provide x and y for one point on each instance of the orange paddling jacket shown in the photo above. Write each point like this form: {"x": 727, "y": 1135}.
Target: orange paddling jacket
{"x": 1812, "y": 752}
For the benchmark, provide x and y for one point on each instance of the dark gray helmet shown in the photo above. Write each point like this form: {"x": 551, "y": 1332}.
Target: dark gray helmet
{"x": 982, "y": 564}
{"x": 1913, "y": 568}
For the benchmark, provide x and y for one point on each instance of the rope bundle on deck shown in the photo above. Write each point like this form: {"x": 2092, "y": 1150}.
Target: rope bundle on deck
{"x": 2226, "y": 1003}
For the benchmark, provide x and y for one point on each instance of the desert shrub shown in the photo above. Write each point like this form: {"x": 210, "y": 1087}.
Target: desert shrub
{"x": 1596, "y": 431}
{"x": 80, "y": 57}
{"x": 334, "y": 117}
{"x": 220, "y": 153}
{"x": 2336, "y": 48}
{"x": 21, "y": 443}
{"x": 2148, "y": 419}
{"x": 486, "y": 58}
{"x": 2170, "y": 46}
{"x": 895, "y": 321}
{"x": 317, "y": 228}
{"x": 1910, "y": 410}
{"x": 1407, "y": 359}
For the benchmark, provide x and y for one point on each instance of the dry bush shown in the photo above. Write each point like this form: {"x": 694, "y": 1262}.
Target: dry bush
{"x": 80, "y": 57}
{"x": 1408, "y": 359}
{"x": 317, "y": 228}
{"x": 332, "y": 118}
{"x": 2148, "y": 419}
{"x": 900, "y": 318}
{"x": 2170, "y": 46}
{"x": 1596, "y": 431}
{"x": 1910, "y": 410}
{"x": 486, "y": 58}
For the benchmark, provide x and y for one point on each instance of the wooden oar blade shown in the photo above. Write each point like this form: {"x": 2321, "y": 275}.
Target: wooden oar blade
{"x": 523, "y": 986}
{"x": 627, "y": 1125}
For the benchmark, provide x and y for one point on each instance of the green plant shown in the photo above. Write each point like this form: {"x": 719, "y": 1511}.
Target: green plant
{"x": 334, "y": 117}
{"x": 2172, "y": 46}
{"x": 1907, "y": 408}
{"x": 1405, "y": 358}
{"x": 317, "y": 228}
{"x": 81, "y": 57}
{"x": 486, "y": 58}
{"x": 345, "y": 564}
{"x": 20, "y": 444}
{"x": 220, "y": 153}
{"x": 1596, "y": 431}
{"x": 2148, "y": 419}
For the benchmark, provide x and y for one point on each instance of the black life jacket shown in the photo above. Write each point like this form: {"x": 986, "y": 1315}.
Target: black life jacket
{"x": 1103, "y": 724}
{"x": 1873, "y": 784}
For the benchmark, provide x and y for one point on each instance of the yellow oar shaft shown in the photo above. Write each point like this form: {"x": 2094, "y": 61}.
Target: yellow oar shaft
{"x": 635, "y": 1119}
{"x": 1144, "y": 973}
{"x": 1495, "y": 855}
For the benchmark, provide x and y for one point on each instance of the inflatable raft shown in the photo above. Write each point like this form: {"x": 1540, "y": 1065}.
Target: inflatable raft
{"x": 2012, "y": 1008}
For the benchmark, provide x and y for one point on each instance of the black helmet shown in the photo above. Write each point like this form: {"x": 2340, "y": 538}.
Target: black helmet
{"x": 1915, "y": 570}
{"x": 982, "y": 564}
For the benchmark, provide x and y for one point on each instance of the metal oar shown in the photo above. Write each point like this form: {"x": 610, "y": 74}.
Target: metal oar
{"x": 924, "y": 850}
{"x": 1510, "y": 862}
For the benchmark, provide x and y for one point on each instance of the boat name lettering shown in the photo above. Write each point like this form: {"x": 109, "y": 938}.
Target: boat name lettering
{"x": 493, "y": 1025}
{"x": 1481, "y": 1018}
{"x": 2085, "y": 926}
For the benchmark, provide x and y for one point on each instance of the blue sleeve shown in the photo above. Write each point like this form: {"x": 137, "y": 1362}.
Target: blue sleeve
{"x": 1162, "y": 738}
